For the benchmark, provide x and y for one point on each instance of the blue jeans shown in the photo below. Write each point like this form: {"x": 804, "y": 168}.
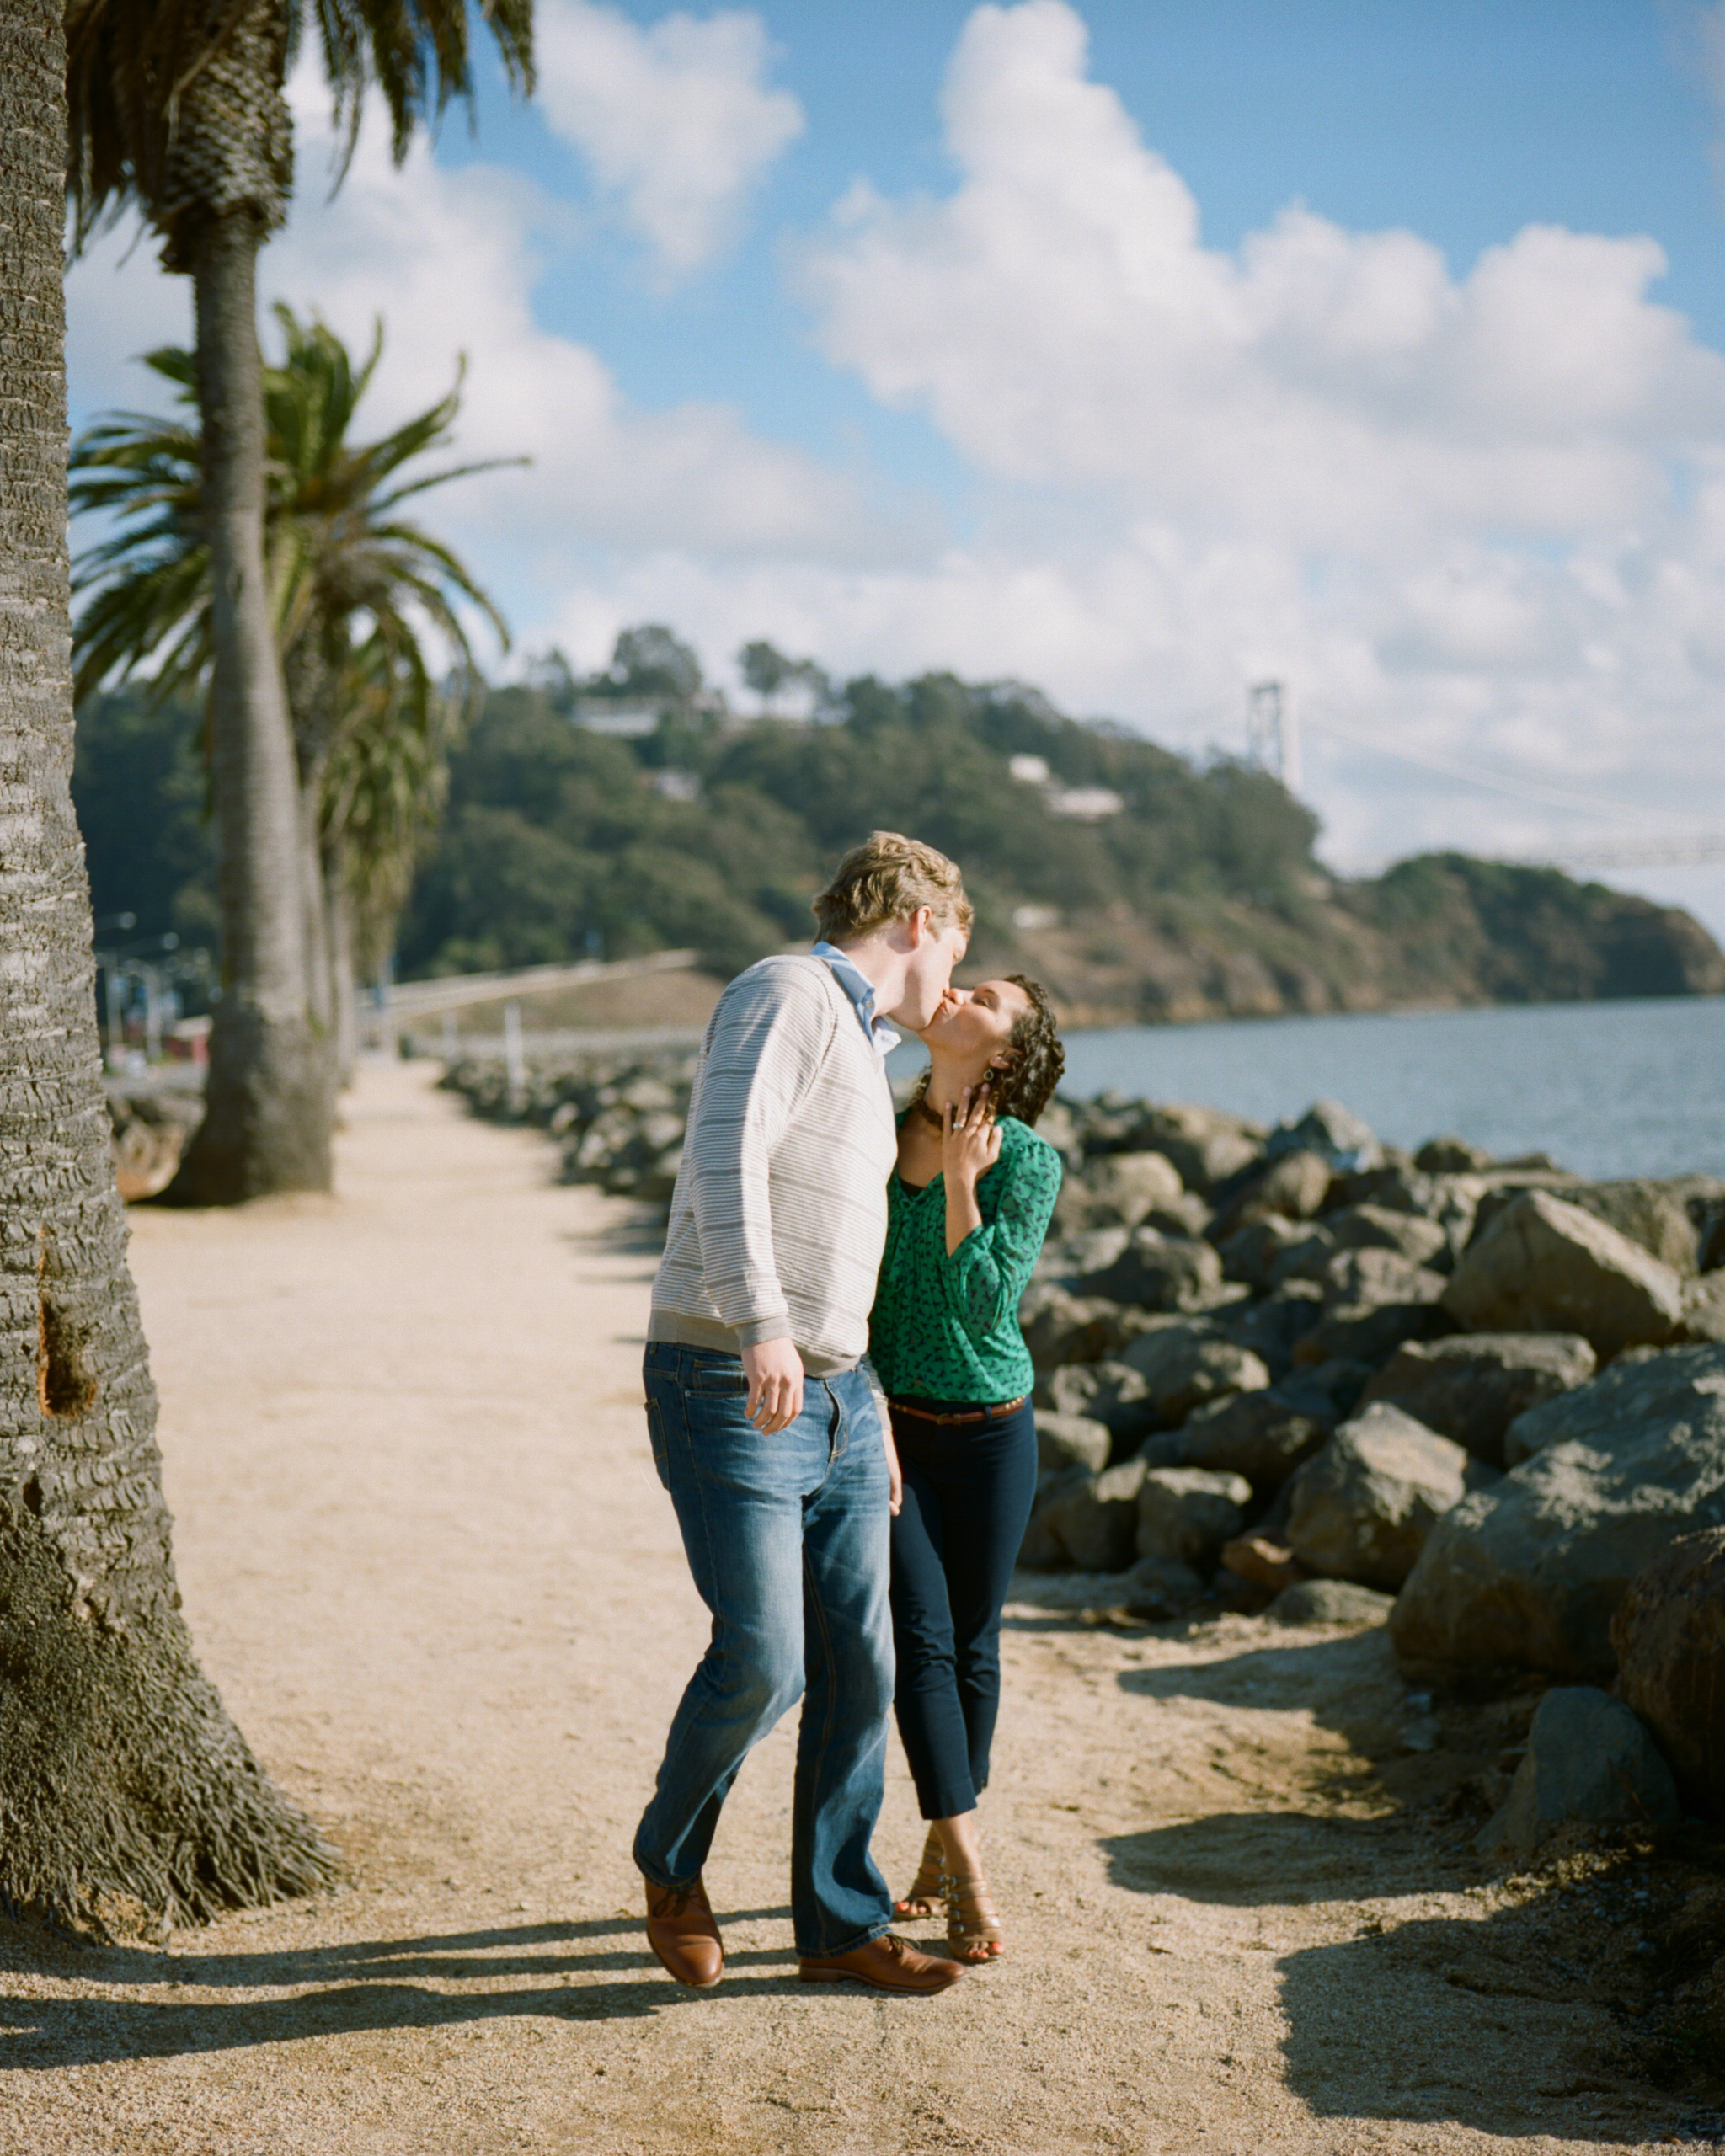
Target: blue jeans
{"x": 787, "y": 1539}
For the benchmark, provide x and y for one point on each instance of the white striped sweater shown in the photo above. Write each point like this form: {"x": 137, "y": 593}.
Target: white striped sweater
{"x": 779, "y": 1217}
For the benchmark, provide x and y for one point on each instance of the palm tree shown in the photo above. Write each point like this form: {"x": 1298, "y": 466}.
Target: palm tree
{"x": 384, "y": 788}
{"x": 122, "y": 1780}
{"x": 176, "y": 106}
{"x": 340, "y": 557}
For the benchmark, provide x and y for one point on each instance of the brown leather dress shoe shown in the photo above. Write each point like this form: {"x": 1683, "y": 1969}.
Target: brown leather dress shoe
{"x": 681, "y": 1932}
{"x": 889, "y": 1963}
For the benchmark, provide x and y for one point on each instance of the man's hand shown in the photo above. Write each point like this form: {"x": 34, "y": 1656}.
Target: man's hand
{"x": 895, "y": 1480}
{"x": 774, "y": 1370}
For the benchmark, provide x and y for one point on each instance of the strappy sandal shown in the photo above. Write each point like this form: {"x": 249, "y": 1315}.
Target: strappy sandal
{"x": 974, "y": 1933}
{"x": 927, "y": 1887}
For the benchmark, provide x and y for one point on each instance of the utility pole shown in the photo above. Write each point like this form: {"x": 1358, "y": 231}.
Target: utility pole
{"x": 514, "y": 1062}
{"x": 1272, "y": 733}
{"x": 152, "y": 1013}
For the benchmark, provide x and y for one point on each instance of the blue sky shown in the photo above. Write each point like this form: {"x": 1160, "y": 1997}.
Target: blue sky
{"x": 1463, "y": 121}
{"x": 1065, "y": 342}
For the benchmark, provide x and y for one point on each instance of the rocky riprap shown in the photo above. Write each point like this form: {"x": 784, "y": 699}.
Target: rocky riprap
{"x": 1304, "y": 1350}
{"x": 617, "y": 1115}
{"x": 1484, "y": 1402}
{"x": 150, "y": 1125}
{"x": 1299, "y": 1371}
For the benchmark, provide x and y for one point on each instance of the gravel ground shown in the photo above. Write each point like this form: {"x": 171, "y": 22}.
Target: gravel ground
{"x": 423, "y": 1554}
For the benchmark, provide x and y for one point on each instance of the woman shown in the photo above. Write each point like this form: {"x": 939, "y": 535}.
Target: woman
{"x": 967, "y": 1211}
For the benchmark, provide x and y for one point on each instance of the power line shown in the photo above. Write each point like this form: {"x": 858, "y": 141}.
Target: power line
{"x": 1697, "y": 850}
{"x": 1494, "y": 782}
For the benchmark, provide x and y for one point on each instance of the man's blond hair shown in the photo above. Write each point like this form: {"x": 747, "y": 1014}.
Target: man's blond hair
{"x": 887, "y": 878}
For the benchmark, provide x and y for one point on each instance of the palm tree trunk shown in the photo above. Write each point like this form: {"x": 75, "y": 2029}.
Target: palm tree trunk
{"x": 318, "y": 927}
{"x": 339, "y": 912}
{"x": 267, "y": 1119}
{"x": 122, "y": 1781}
{"x": 310, "y": 682}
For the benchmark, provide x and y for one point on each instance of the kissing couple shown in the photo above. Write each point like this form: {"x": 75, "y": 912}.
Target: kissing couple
{"x": 838, "y": 1402}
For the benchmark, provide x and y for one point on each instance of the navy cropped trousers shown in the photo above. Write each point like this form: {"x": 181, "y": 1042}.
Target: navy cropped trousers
{"x": 969, "y": 1488}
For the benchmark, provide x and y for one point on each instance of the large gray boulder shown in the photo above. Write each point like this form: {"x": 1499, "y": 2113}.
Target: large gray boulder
{"x": 1329, "y": 1602}
{"x": 1206, "y": 1146}
{"x": 1380, "y": 1227}
{"x": 1450, "y": 1201}
{"x": 1589, "y": 1763}
{"x": 1041, "y": 1549}
{"x": 1704, "y": 1308}
{"x": 1369, "y": 1332}
{"x": 1450, "y": 1156}
{"x": 1346, "y": 1145}
{"x": 1061, "y": 1327}
{"x": 1273, "y": 1328}
{"x": 1304, "y": 1258}
{"x": 1645, "y": 1388}
{"x": 1107, "y": 1392}
{"x": 1295, "y": 1186}
{"x": 1251, "y": 1253}
{"x": 1188, "y": 1215}
{"x": 1156, "y": 1272}
{"x": 1472, "y": 1387}
{"x": 1184, "y": 1366}
{"x": 1669, "y": 1635}
{"x": 1118, "y": 1189}
{"x": 1185, "y": 1514}
{"x": 1063, "y": 1441}
{"x": 1369, "y": 1279}
{"x": 1262, "y": 1435}
{"x": 1546, "y": 1265}
{"x": 1095, "y": 1522}
{"x": 1531, "y": 1571}
{"x": 1066, "y": 1259}
{"x": 1362, "y": 1508}
{"x": 1650, "y": 1213}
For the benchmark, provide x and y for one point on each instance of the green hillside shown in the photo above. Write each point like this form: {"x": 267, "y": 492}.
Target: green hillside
{"x": 1197, "y": 896}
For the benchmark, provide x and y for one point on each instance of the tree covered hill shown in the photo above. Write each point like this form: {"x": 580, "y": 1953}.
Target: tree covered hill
{"x": 1197, "y": 895}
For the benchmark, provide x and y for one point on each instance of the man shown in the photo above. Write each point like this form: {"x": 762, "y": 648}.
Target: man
{"x": 764, "y": 1428}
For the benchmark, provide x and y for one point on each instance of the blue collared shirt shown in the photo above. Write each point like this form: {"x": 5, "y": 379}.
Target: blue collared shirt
{"x": 860, "y": 989}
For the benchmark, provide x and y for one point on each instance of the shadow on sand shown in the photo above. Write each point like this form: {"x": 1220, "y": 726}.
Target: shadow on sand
{"x": 362, "y": 1984}
{"x": 1516, "y": 2020}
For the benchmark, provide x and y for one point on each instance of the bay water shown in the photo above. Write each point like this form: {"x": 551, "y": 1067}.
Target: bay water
{"x": 1607, "y": 1089}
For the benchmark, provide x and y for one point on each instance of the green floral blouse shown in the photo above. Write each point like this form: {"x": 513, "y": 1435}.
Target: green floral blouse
{"x": 947, "y": 1327}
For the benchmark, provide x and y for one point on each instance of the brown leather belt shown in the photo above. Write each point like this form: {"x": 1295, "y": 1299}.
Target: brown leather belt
{"x": 975, "y": 1415}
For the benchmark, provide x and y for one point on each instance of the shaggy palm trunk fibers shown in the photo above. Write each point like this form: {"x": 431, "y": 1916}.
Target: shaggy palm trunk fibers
{"x": 126, "y": 1795}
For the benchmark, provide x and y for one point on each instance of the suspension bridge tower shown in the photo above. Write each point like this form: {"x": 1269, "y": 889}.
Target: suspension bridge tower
{"x": 1272, "y": 733}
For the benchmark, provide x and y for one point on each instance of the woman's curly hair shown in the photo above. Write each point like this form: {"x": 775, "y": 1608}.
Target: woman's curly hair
{"x": 1026, "y": 1088}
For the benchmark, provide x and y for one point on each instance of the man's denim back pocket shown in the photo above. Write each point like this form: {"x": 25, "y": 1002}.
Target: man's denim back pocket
{"x": 655, "y": 1437}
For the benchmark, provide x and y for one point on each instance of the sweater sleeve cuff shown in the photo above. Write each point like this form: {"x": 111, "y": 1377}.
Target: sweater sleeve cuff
{"x": 763, "y": 1330}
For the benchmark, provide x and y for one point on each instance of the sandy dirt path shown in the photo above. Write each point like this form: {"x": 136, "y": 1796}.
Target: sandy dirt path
{"x": 425, "y": 1555}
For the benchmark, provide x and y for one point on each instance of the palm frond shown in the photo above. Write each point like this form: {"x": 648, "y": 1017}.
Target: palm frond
{"x": 454, "y": 472}
{"x": 415, "y": 52}
{"x": 355, "y": 589}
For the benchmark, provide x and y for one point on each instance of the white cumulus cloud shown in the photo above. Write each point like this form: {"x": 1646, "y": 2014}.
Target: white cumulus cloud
{"x": 676, "y": 120}
{"x": 448, "y": 260}
{"x": 1476, "y": 515}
